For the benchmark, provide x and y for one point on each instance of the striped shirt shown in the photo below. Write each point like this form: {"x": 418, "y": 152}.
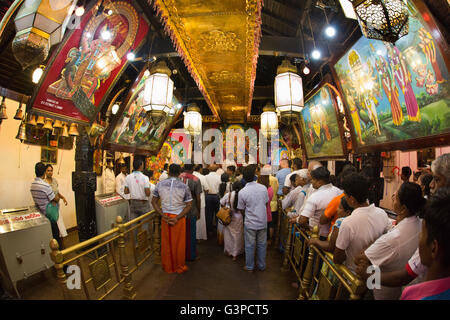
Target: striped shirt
{"x": 42, "y": 194}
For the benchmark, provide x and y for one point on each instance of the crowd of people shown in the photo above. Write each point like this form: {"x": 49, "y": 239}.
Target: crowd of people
{"x": 414, "y": 247}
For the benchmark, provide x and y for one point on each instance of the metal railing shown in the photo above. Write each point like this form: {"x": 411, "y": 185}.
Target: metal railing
{"x": 319, "y": 277}
{"x": 107, "y": 254}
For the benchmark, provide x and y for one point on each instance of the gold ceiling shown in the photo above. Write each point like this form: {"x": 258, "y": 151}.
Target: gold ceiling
{"x": 218, "y": 41}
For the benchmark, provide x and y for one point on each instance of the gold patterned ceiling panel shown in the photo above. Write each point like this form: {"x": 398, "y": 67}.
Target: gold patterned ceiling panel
{"x": 218, "y": 41}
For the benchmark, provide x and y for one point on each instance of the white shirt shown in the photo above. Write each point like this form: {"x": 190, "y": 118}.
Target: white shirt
{"x": 163, "y": 176}
{"x": 204, "y": 187}
{"x": 309, "y": 191}
{"x": 361, "y": 229}
{"x": 292, "y": 197}
{"x": 415, "y": 266}
{"x": 318, "y": 202}
{"x": 220, "y": 171}
{"x": 214, "y": 181}
{"x": 109, "y": 181}
{"x": 120, "y": 180}
{"x": 391, "y": 252}
{"x": 136, "y": 183}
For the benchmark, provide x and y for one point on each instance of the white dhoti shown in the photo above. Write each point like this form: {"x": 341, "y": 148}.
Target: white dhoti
{"x": 201, "y": 223}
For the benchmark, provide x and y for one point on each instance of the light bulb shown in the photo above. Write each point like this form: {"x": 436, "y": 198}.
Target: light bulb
{"x": 37, "y": 74}
{"x": 115, "y": 108}
{"x": 79, "y": 11}
{"x": 131, "y": 56}
{"x": 110, "y": 12}
{"x": 106, "y": 35}
{"x": 146, "y": 73}
{"x": 306, "y": 70}
{"x": 315, "y": 54}
{"x": 330, "y": 31}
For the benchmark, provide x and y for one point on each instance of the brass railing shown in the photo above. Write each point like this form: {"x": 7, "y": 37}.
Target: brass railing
{"x": 110, "y": 251}
{"x": 318, "y": 276}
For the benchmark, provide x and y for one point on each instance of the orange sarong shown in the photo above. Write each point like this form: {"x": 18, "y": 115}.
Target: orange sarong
{"x": 173, "y": 245}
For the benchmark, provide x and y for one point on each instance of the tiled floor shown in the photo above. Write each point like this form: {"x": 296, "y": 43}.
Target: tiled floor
{"x": 213, "y": 277}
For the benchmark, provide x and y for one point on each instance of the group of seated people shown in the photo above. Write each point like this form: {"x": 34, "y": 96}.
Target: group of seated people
{"x": 413, "y": 249}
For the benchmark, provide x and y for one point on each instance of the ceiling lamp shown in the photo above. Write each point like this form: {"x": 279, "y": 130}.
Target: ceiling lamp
{"x": 288, "y": 92}
{"x": 115, "y": 108}
{"x": 269, "y": 120}
{"x": 37, "y": 74}
{"x": 158, "y": 93}
{"x": 385, "y": 20}
{"x": 39, "y": 25}
{"x": 306, "y": 70}
{"x": 193, "y": 120}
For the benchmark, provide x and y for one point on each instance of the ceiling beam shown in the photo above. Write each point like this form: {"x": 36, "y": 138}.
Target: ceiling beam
{"x": 284, "y": 7}
{"x": 279, "y": 19}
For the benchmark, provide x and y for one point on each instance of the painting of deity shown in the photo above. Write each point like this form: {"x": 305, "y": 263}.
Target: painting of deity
{"x": 396, "y": 92}
{"x": 320, "y": 127}
{"x": 88, "y": 63}
{"x": 134, "y": 129}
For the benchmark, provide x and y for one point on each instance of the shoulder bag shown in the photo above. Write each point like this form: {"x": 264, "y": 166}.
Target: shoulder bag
{"x": 224, "y": 214}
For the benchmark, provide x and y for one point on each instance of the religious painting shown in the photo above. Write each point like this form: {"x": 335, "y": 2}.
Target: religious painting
{"x": 133, "y": 130}
{"x": 320, "y": 128}
{"x": 396, "y": 93}
{"x": 88, "y": 63}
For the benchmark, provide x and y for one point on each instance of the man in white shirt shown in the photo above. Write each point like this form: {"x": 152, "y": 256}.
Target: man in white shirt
{"x": 120, "y": 181}
{"x": 299, "y": 192}
{"x": 297, "y": 165}
{"x": 164, "y": 174}
{"x": 137, "y": 185}
{"x": 201, "y": 223}
{"x": 219, "y": 170}
{"x": 109, "y": 178}
{"x": 212, "y": 198}
{"x": 365, "y": 225}
{"x": 319, "y": 200}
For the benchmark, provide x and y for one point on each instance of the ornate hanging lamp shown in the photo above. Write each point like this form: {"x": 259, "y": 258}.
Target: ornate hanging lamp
{"x": 385, "y": 20}
{"x": 193, "y": 120}
{"x": 269, "y": 120}
{"x": 158, "y": 93}
{"x": 288, "y": 92}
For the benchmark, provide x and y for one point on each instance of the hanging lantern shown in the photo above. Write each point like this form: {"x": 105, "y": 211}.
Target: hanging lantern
{"x": 32, "y": 120}
{"x": 65, "y": 132}
{"x": 193, "y": 120}
{"x": 22, "y": 134}
{"x": 288, "y": 92}
{"x": 3, "y": 115}
{"x": 158, "y": 93}
{"x": 269, "y": 120}
{"x": 385, "y": 20}
{"x": 39, "y": 25}
{"x": 19, "y": 113}
{"x": 48, "y": 124}
{"x": 73, "y": 131}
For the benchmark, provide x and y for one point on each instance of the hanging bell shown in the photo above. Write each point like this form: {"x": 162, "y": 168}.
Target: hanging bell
{"x": 40, "y": 121}
{"x": 3, "y": 115}
{"x": 22, "y": 134}
{"x": 57, "y": 124}
{"x": 19, "y": 113}
{"x": 31, "y": 120}
{"x": 65, "y": 132}
{"x": 48, "y": 124}
{"x": 73, "y": 131}
{"x": 121, "y": 159}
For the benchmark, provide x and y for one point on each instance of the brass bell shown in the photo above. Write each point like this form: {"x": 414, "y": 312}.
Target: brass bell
{"x": 121, "y": 160}
{"x": 73, "y": 131}
{"x": 65, "y": 132}
{"x": 48, "y": 124}
{"x": 32, "y": 120}
{"x": 40, "y": 121}
{"x": 3, "y": 115}
{"x": 22, "y": 134}
{"x": 57, "y": 124}
{"x": 19, "y": 113}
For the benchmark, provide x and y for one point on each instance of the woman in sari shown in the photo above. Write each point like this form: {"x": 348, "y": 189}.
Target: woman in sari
{"x": 233, "y": 234}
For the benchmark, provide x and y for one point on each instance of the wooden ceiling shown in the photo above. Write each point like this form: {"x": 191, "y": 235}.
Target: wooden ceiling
{"x": 289, "y": 30}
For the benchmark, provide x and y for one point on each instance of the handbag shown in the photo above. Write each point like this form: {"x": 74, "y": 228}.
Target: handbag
{"x": 52, "y": 212}
{"x": 224, "y": 214}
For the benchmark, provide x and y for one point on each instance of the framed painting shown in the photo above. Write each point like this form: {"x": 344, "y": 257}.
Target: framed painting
{"x": 321, "y": 130}
{"x": 132, "y": 130}
{"x": 49, "y": 155}
{"x": 398, "y": 97}
{"x": 87, "y": 64}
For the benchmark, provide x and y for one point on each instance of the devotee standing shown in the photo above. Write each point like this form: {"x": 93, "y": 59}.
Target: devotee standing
{"x": 282, "y": 174}
{"x": 120, "y": 181}
{"x": 54, "y": 184}
{"x": 192, "y": 216}
{"x": 274, "y": 203}
{"x": 201, "y": 223}
{"x": 265, "y": 181}
{"x": 252, "y": 202}
{"x": 176, "y": 202}
{"x": 297, "y": 165}
{"x": 212, "y": 198}
{"x": 137, "y": 185}
{"x": 406, "y": 174}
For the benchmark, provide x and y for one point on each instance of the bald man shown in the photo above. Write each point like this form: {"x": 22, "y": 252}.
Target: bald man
{"x": 282, "y": 174}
